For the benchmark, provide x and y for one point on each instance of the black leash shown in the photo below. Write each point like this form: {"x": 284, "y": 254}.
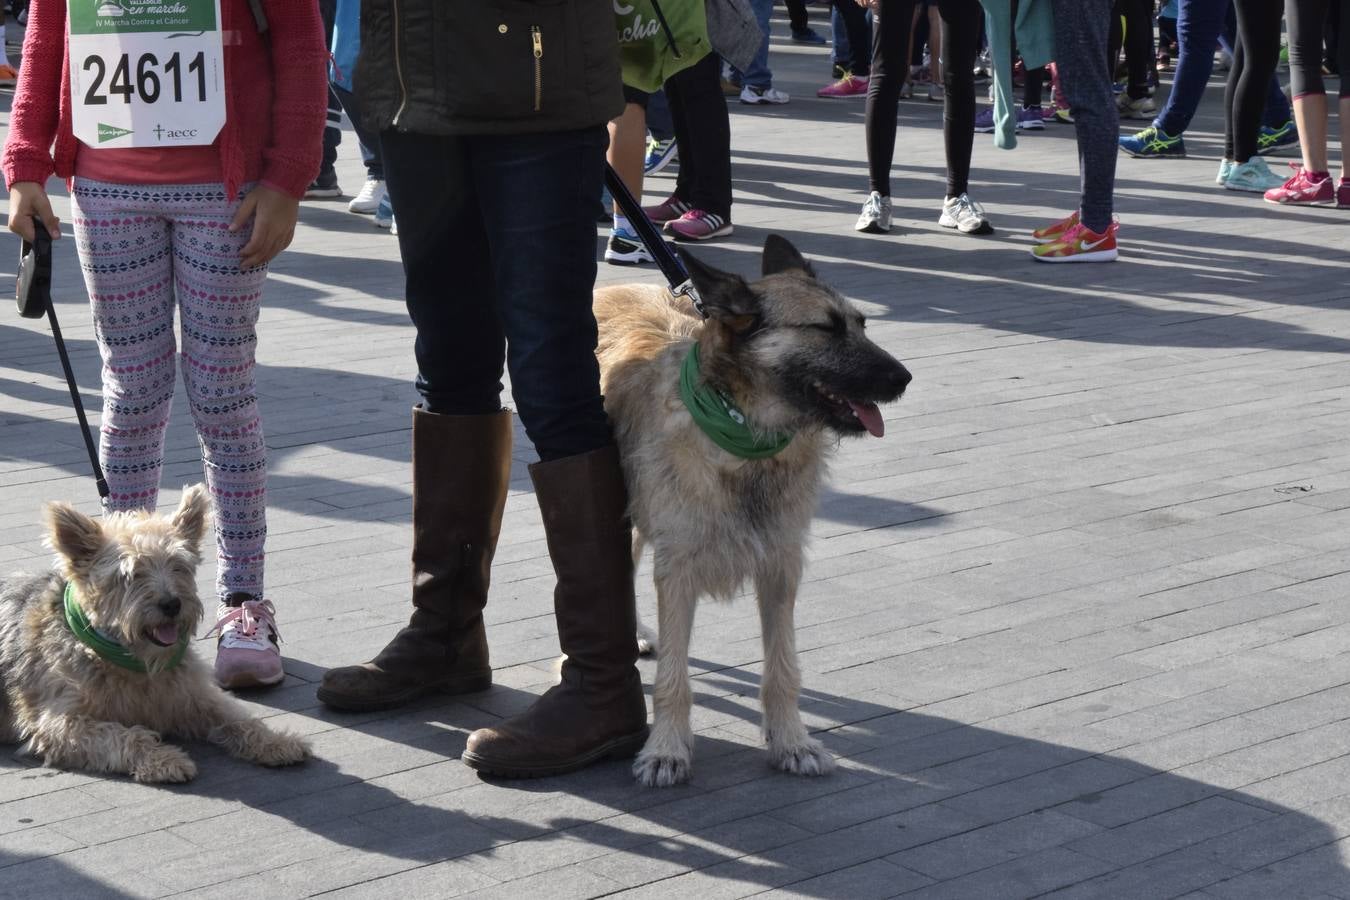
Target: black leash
{"x": 662, "y": 252}
{"x": 34, "y": 295}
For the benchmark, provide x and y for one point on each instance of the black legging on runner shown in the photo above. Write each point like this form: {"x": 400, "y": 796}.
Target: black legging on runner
{"x": 1307, "y": 30}
{"x": 1137, "y": 36}
{"x": 1255, "y": 56}
{"x": 890, "y": 68}
{"x": 961, "y": 21}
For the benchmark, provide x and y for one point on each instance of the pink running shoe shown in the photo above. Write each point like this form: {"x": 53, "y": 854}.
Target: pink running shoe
{"x": 247, "y": 654}
{"x": 1343, "y": 194}
{"x": 848, "y": 86}
{"x": 668, "y": 211}
{"x": 1303, "y": 189}
{"x": 697, "y": 225}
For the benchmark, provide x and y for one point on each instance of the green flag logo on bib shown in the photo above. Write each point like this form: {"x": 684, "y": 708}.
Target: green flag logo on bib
{"x": 110, "y": 132}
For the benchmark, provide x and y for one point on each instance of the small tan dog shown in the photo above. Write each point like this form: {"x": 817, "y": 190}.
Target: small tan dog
{"x": 783, "y": 368}
{"x": 96, "y": 659}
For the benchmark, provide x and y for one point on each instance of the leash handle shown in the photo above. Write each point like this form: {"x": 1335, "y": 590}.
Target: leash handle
{"x": 34, "y": 296}
{"x": 671, "y": 267}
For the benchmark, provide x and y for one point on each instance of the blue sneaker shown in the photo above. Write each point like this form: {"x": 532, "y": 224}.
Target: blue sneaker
{"x": 659, "y": 155}
{"x": 626, "y": 249}
{"x": 1272, "y": 140}
{"x": 1153, "y": 143}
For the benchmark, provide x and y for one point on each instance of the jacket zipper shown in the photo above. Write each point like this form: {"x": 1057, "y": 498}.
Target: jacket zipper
{"x": 538, "y": 39}
{"x": 398, "y": 67}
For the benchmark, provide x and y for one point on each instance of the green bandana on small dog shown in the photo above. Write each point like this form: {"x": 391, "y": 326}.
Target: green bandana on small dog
{"x": 105, "y": 646}
{"x": 719, "y": 418}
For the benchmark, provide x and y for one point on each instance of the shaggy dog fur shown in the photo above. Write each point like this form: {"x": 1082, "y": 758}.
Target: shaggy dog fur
{"x": 135, "y": 576}
{"x": 793, "y": 355}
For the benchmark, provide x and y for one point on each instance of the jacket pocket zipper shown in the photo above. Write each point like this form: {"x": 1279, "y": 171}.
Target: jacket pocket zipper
{"x": 538, "y": 39}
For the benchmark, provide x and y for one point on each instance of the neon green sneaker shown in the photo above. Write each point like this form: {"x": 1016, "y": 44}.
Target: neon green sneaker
{"x": 1153, "y": 143}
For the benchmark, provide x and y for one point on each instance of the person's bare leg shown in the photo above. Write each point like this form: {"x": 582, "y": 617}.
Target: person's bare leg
{"x": 1310, "y": 112}
{"x": 628, "y": 148}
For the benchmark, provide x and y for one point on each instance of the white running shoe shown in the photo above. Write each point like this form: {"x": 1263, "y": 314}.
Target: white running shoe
{"x": 763, "y": 96}
{"x": 369, "y": 197}
{"x": 876, "y": 215}
{"x": 965, "y": 215}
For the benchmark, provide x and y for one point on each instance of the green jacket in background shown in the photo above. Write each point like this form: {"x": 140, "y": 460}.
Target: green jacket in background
{"x": 1035, "y": 28}
{"x": 469, "y": 67}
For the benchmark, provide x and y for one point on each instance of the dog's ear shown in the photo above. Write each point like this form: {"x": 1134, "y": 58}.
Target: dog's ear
{"x": 781, "y": 256}
{"x": 75, "y": 537}
{"x": 726, "y": 297}
{"x": 194, "y": 510}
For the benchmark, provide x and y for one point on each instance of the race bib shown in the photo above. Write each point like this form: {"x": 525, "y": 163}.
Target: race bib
{"x": 146, "y": 73}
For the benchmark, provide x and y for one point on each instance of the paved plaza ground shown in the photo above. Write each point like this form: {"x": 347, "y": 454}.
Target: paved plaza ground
{"x": 1077, "y": 626}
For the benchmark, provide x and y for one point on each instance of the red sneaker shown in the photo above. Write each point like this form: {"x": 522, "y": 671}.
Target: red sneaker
{"x": 697, "y": 225}
{"x": 668, "y": 211}
{"x": 1304, "y": 188}
{"x": 1079, "y": 244}
{"x": 1343, "y": 194}
{"x": 1055, "y": 230}
{"x": 848, "y": 86}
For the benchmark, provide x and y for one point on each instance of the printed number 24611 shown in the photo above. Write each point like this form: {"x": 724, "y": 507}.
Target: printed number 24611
{"x": 147, "y": 82}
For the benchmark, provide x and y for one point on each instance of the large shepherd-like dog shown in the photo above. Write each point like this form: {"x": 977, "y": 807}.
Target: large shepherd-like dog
{"x": 725, "y": 427}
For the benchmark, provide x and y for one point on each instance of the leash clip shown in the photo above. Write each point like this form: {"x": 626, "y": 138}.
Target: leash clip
{"x": 686, "y": 289}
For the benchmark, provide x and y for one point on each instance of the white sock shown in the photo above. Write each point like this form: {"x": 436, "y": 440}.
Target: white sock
{"x": 621, "y": 223}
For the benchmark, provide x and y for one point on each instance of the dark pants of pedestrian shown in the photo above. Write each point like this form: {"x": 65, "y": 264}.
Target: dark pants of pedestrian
{"x": 859, "y": 62}
{"x": 1254, "y": 60}
{"x": 1137, "y": 36}
{"x": 370, "y": 141}
{"x": 1200, "y": 23}
{"x": 796, "y": 10}
{"x": 332, "y": 132}
{"x": 497, "y": 235}
{"x": 698, "y": 112}
{"x": 1081, "y": 28}
{"x": 1308, "y": 21}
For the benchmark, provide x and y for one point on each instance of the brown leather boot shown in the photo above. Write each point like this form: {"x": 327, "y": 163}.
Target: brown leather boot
{"x": 597, "y": 711}
{"x": 461, "y": 466}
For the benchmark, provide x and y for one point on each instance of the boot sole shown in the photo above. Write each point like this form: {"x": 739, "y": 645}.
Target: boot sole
{"x": 465, "y": 684}
{"x": 625, "y": 747}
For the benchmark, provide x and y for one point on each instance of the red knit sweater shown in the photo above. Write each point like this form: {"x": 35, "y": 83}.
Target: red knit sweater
{"x": 273, "y": 124}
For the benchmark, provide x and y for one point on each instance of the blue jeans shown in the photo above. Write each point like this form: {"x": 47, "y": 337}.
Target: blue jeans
{"x": 1200, "y": 23}
{"x": 759, "y": 75}
{"x": 497, "y": 235}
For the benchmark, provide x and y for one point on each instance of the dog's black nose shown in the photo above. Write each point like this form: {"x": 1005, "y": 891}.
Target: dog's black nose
{"x": 171, "y": 606}
{"x": 900, "y": 378}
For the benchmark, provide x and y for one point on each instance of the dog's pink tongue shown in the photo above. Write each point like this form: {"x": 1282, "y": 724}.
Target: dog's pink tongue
{"x": 167, "y": 633}
{"x": 870, "y": 416}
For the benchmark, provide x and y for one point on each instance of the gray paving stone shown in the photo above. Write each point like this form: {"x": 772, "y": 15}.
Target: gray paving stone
{"x": 1074, "y": 601}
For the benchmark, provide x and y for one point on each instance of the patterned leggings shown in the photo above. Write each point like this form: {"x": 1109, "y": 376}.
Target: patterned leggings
{"x": 145, "y": 249}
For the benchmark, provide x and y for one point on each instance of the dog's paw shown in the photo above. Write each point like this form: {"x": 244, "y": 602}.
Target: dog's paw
{"x": 164, "y": 764}
{"x": 661, "y": 770}
{"x": 806, "y": 758}
{"x": 646, "y": 640}
{"x": 281, "y": 749}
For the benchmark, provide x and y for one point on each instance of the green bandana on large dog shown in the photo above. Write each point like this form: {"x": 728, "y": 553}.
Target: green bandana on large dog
{"x": 105, "y": 646}
{"x": 721, "y": 420}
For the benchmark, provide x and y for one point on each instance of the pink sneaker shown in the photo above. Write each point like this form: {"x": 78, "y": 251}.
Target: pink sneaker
{"x": 668, "y": 211}
{"x": 848, "y": 86}
{"x": 1343, "y": 194}
{"x": 697, "y": 225}
{"x": 247, "y": 654}
{"x": 1303, "y": 189}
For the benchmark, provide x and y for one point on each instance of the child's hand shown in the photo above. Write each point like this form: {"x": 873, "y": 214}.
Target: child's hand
{"x": 274, "y": 215}
{"x": 28, "y": 199}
